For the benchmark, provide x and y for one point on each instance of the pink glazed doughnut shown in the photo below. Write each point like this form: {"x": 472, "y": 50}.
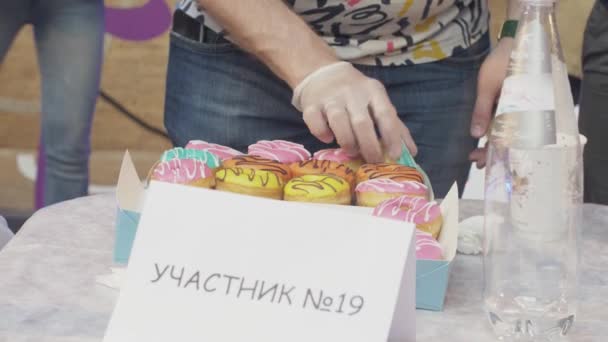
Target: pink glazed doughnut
{"x": 185, "y": 171}
{"x": 427, "y": 248}
{"x": 340, "y": 156}
{"x": 424, "y": 214}
{"x": 371, "y": 193}
{"x": 223, "y": 152}
{"x": 282, "y": 151}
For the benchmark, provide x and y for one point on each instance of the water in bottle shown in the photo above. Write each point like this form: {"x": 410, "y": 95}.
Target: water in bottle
{"x": 533, "y": 190}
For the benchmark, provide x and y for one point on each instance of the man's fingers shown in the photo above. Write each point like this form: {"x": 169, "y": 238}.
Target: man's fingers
{"x": 488, "y": 90}
{"x": 317, "y": 124}
{"x": 363, "y": 127}
{"x": 392, "y": 129}
{"x": 479, "y": 156}
{"x": 339, "y": 121}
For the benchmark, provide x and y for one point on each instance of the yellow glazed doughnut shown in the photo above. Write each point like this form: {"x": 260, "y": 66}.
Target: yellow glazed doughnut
{"x": 250, "y": 182}
{"x": 323, "y": 188}
{"x": 259, "y": 163}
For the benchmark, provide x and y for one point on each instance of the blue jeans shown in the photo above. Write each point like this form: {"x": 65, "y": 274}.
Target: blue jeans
{"x": 69, "y": 41}
{"x": 219, "y": 93}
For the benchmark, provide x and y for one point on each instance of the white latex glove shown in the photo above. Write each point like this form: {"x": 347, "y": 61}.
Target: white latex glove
{"x": 339, "y": 102}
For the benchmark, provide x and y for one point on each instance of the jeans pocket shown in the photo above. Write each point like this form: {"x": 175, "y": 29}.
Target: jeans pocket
{"x": 472, "y": 56}
{"x": 208, "y": 48}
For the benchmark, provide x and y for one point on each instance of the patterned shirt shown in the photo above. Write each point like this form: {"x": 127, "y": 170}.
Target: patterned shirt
{"x": 385, "y": 32}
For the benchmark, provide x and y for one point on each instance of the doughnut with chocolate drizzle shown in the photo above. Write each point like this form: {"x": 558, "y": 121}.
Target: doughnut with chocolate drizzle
{"x": 395, "y": 172}
{"x": 249, "y": 181}
{"x": 314, "y": 167}
{"x": 259, "y": 163}
{"x": 319, "y": 188}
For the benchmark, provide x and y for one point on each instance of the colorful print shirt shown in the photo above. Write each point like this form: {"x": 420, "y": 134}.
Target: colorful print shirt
{"x": 385, "y": 32}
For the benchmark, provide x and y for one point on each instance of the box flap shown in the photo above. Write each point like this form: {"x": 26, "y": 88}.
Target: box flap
{"x": 129, "y": 188}
{"x": 448, "y": 238}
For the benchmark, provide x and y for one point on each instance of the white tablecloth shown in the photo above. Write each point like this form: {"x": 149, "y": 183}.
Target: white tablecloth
{"x": 5, "y": 233}
{"x": 48, "y": 290}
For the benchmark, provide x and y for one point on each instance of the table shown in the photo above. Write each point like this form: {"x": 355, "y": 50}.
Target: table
{"x": 48, "y": 290}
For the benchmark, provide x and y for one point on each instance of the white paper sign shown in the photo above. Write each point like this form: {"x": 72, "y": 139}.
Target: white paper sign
{"x": 214, "y": 266}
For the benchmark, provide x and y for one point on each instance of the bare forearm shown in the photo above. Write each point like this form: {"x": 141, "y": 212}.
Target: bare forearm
{"x": 513, "y": 9}
{"x": 274, "y": 34}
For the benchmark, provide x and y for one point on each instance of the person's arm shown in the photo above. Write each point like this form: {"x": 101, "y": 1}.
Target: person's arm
{"x": 513, "y": 9}
{"x": 337, "y": 100}
{"x": 273, "y": 33}
{"x": 491, "y": 75}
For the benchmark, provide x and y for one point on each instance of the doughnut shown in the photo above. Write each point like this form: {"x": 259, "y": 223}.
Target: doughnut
{"x": 318, "y": 189}
{"x": 340, "y": 156}
{"x": 279, "y": 150}
{"x": 186, "y": 153}
{"x": 315, "y": 167}
{"x": 427, "y": 248}
{"x": 259, "y": 163}
{"x": 222, "y": 152}
{"x": 184, "y": 171}
{"x": 395, "y": 172}
{"x": 424, "y": 214}
{"x": 372, "y": 192}
{"x": 250, "y": 182}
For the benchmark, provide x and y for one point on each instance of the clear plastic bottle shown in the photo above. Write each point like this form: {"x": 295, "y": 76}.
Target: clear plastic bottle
{"x": 533, "y": 190}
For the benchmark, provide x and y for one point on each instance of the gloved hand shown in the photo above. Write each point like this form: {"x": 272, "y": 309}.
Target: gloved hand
{"x": 339, "y": 102}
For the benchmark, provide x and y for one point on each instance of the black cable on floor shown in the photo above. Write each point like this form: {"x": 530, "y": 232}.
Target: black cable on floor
{"x": 124, "y": 111}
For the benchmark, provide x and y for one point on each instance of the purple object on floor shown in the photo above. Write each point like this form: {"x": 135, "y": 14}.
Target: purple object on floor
{"x": 139, "y": 23}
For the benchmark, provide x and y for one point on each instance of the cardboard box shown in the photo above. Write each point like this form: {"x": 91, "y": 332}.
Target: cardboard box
{"x": 432, "y": 276}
